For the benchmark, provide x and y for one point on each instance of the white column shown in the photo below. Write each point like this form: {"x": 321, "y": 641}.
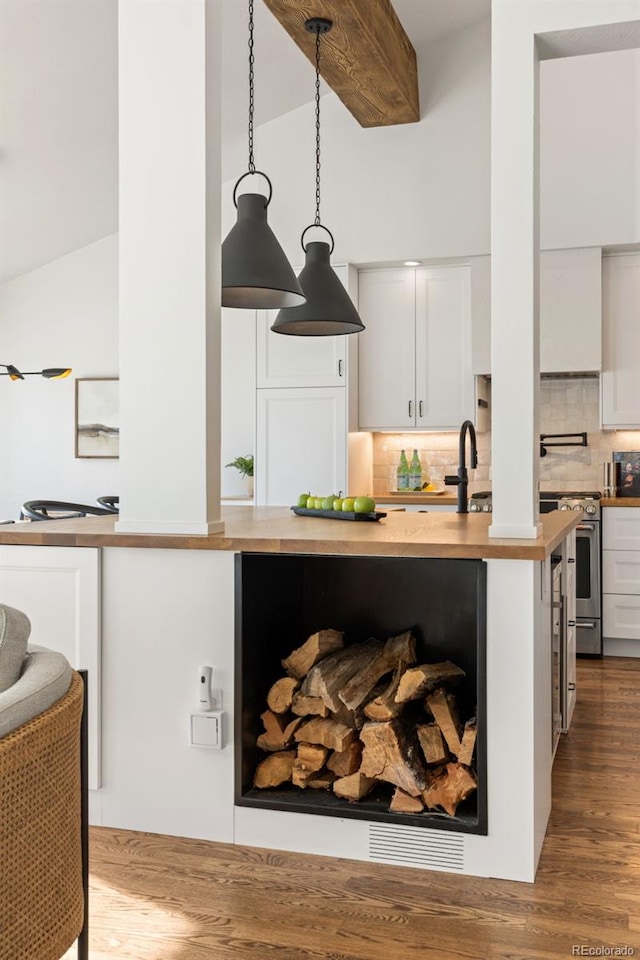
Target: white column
{"x": 169, "y": 100}
{"x": 521, "y": 33}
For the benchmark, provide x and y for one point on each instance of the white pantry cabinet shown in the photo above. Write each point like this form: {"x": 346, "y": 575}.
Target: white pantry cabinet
{"x": 620, "y": 380}
{"x": 415, "y": 353}
{"x": 286, "y": 361}
{"x": 301, "y": 443}
{"x": 570, "y": 311}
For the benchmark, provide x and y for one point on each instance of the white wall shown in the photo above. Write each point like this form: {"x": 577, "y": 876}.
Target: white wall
{"x": 238, "y": 395}
{"x": 63, "y": 314}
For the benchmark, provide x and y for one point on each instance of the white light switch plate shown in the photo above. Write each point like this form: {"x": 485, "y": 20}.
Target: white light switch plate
{"x": 205, "y": 729}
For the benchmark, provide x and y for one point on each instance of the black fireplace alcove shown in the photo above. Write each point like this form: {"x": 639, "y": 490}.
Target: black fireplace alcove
{"x": 281, "y": 599}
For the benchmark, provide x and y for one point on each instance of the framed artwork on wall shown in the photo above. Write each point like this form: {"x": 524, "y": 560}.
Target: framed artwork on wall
{"x": 97, "y": 417}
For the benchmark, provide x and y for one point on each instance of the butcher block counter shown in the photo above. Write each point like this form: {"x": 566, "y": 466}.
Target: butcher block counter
{"x": 277, "y": 530}
{"x": 620, "y": 502}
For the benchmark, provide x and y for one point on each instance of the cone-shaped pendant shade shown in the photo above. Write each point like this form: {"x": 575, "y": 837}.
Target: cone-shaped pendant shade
{"x": 329, "y": 310}
{"x": 255, "y": 271}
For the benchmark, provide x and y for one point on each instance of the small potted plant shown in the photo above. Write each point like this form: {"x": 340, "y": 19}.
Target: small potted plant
{"x": 244, "y": 466}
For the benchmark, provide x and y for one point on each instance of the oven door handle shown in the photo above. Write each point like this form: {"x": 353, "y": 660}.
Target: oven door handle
{"x": 586, "y": 624}
{"x": 586, "y": 526}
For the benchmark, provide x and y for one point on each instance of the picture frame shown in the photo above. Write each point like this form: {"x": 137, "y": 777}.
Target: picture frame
{"x": 97, "y": 418}
{"x": 629, "y": 461}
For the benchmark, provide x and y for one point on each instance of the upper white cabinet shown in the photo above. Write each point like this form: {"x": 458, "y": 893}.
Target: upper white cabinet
{"x": 621, "y": 341}
{"x": 415, "y": 354}
{"x": 387, "y": 349}
{"x": 285, "y": 361}
{"x": 570, "y": 311}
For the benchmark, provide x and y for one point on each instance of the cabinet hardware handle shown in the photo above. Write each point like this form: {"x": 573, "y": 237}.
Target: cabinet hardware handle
{"x": 571, "y": 686}
{"x": 571, "y": 623}
{"x": 420, "y": 409}
{"x": 339, "y": 368}
{"x": 571, "y": 560}
{"x": 410, "y": 409}
{"x": 586, "y": 625}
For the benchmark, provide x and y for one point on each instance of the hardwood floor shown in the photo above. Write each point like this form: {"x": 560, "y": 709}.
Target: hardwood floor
{"x": 159, "y": 898}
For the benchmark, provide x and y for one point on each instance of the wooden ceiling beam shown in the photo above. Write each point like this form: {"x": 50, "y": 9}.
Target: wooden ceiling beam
{"x": 366, "y": 58}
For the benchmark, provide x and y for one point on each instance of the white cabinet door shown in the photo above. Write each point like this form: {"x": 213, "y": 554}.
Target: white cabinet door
{"x": 621, "y": 528}
{"x": 59, "y": 590}
{"x": 621, "y": 571}
{"x": 570, "y": 310}
{"x": 445, "y": 389}
{"x": 621, "y": 341}
{"x": 387, "y": 349}
{"x": 621, "y": 616}
{"x": 285, "y": 361}
{"x": 302, "y": 443}
{"x": 480, "y": 314}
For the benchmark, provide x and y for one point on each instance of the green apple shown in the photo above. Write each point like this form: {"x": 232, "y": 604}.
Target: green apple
{"x": 317, "y": 503}
{"x": 302, "y": 499}
{"x": 327, "y": 503}
{"x": 337, "y": 503}
{"x": 347, "y": 505}
{"x": 364, "y": 505}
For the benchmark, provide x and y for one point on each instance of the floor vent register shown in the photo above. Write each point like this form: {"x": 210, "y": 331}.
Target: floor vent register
{"x": 416, "y": 847}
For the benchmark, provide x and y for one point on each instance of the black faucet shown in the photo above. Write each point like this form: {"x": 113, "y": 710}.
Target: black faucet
{"x": 462, "y": 480}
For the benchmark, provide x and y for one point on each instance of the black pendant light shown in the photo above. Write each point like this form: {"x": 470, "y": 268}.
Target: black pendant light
{"x": 255, "y": 271}
{"x": 329, "y": 311}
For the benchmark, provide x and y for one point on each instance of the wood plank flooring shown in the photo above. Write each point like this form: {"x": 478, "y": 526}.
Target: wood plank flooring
{"x": 161, "y": 898}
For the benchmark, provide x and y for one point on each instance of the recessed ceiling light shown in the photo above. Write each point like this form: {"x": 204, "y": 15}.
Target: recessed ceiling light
{"x": 413, "y": 263}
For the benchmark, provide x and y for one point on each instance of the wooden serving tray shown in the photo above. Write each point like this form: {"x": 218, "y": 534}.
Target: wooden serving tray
{"x": 337, "y": 514}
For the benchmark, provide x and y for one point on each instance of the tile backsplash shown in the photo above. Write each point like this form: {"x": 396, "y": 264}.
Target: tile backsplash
{"x": 566, "y": 405}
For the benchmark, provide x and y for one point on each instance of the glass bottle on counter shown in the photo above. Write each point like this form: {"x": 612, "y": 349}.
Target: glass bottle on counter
{"x": 415, "y": 472}
{"x": 402, "y": 473}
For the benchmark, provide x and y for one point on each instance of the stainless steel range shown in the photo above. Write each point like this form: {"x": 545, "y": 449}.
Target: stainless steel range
{"x": 588, "y": 559}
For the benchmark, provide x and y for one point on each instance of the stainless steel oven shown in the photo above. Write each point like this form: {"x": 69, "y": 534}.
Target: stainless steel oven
{"x": 588, "y": 560}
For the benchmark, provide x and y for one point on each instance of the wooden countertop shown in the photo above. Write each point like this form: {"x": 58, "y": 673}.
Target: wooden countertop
{"x": 620, "y": 502}
{"x": 443, "y": 499}
{"x": 277, "y": 530}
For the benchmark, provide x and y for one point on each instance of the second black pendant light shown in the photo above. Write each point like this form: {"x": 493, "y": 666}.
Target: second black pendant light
{"x": 328, "y": 311}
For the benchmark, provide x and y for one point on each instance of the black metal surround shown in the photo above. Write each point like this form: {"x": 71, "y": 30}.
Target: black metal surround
{"x": 281, "y": 599}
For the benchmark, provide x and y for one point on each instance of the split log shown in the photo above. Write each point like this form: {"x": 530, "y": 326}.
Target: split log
{"x": 418, "y": 681}
{"x": 346, "y": 762}
{"x": 322, "y": 781}
{"x": 351, "y": 718}
{"x": 430, "y": 738}
{"x": 309, "y": 761}
{"x": 468, "y": 742}
{"x": 281, "y": 694}
{"x": 355, "y": 787}
{"x": 445, "y": 712}
{"x": 308, "y": 706}
{"x": 448, "y": 787}
{"x": 278, "y": 731}
{"x": 403, "y": 803}
{"x": 383, "y": 707}
{"x": 274, "y": 770}
{"x": 319, "y": 645}
{"x": 329, "y": 676}
{"x": 400, "y": 649}
{"x": 327, "y": 732}
{"x": 388, "y": 755}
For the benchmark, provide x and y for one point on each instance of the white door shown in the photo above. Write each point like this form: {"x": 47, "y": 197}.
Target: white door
{"x": 386, "y": 350}
{"x": 302, "y": 443}
{"x": 621, "y": 341}
{"x": 445, "y": 389}
{"x": 285, "y": 361}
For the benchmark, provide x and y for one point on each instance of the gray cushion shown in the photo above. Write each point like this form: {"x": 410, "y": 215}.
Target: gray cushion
{"x": 45, "y": 678}
{"x": 14, "y": 636}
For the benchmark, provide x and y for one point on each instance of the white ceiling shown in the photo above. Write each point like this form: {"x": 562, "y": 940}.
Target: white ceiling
{"x": 58, "y": 109}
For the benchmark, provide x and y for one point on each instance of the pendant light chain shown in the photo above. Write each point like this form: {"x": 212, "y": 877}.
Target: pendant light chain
{"x": 252, "y": 166}
{"x": 317, "y": 222}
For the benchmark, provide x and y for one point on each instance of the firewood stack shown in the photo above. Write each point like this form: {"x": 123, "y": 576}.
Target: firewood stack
{"x": 345, "y": 718}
